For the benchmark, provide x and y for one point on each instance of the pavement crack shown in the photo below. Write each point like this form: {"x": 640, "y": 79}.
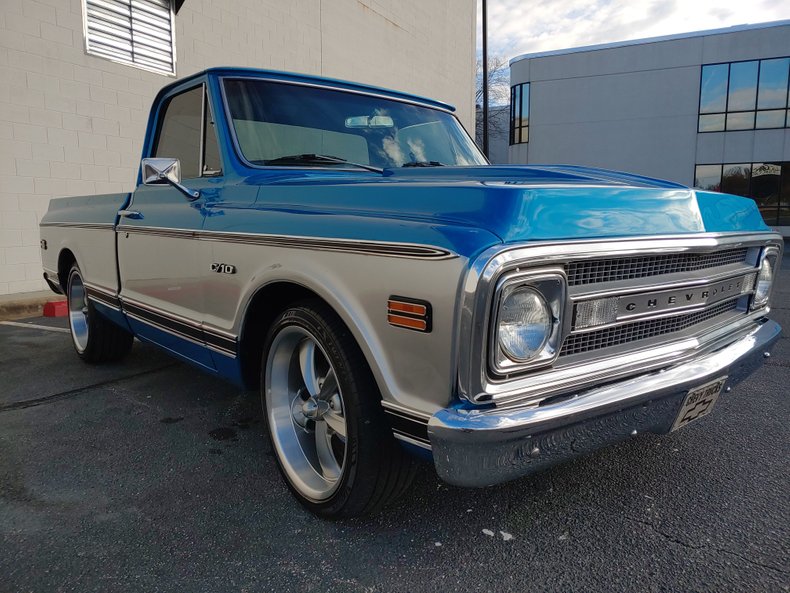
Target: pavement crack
{"x": 30, "y": 403}
{"x": 666, "y": 536}
{"x": 750, "y": 561}
{"x": 691, "y": 546}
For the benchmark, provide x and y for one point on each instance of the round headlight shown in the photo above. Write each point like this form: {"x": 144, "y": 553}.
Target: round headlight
{"x": 525, "y": 324}
{"x": 765, "y": 278}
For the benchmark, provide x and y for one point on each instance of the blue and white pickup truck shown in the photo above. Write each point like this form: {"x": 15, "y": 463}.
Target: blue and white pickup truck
{"x": 348, "y": 251}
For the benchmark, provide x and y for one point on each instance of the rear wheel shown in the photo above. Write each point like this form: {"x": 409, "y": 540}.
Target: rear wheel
{"x": 323, "y": 409}
{"x": 95, "y": 338}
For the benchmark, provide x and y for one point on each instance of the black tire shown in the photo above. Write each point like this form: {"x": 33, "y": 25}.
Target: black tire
{"x": 375, "y": 468}
{"x": 95, "y": 338}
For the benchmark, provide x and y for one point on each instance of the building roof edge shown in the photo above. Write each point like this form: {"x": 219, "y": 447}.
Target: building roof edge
{"x": 629, "y": 42}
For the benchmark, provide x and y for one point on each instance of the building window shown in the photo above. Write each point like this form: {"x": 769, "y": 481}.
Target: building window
{"x": 744, "y": 95}
{"x": 768, "y": 184}
{"x": 135, "y": 32}
{"x": 519, "y": 113}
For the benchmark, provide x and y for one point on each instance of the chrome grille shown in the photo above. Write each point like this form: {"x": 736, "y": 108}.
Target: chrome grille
{"x": 626, "y": 268}
{"x": 613, "y": 336}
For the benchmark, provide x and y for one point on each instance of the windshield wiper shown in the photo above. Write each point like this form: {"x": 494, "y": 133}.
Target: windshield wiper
{"x": 319, "y": 158}
{"x": 423, "y": 164}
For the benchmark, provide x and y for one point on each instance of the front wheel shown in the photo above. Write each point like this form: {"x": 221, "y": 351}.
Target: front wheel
{"x": 95, "y": 338}
{"x": 324, "y": 415}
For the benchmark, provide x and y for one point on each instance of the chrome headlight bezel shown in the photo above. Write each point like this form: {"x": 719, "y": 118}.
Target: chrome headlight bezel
{"x": 551, "y": 286}
{"x": 769, "y": 258}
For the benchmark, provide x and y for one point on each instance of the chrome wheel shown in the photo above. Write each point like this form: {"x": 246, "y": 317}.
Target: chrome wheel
{"x": 306, "y": 413}
{"x": 78, "y": 311}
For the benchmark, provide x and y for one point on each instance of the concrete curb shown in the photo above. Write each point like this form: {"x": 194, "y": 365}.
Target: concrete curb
{"x": 27, "y": 304}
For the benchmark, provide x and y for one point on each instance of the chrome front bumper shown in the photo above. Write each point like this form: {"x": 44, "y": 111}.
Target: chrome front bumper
{"x": 483, "y": 447}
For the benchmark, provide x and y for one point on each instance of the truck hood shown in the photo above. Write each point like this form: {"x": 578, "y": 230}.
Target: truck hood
{"x": 514, "y": 203}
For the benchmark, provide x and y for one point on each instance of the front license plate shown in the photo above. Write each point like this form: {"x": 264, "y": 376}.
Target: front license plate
{"x": 699, "y": 402}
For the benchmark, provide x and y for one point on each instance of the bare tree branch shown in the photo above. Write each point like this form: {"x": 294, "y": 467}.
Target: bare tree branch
{"x": 498, "y": 81}
{"x": 498, "y": 96}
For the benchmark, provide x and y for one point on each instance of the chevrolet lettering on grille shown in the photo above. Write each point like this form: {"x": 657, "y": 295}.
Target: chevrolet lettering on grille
{"x": 638, "y": 305}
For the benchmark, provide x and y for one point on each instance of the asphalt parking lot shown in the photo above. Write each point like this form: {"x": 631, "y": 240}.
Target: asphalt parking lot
{"x": 149, "y": 476}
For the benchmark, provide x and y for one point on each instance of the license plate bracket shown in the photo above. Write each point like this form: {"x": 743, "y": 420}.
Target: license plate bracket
{"x": 698, "y": 402}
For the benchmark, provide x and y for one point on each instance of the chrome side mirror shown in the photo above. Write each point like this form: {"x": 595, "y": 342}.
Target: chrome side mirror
{"x": 165, "y": 171}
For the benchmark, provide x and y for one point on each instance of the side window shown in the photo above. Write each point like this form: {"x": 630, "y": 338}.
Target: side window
{"x": 179, "y": 132}
{"x": 180, "y": 135}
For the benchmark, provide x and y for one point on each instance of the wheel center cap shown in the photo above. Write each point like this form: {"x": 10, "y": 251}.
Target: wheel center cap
{"x": 314, "y": 409}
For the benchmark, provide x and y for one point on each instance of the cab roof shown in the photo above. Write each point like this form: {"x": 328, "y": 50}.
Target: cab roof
{"x": 228, "y": 71}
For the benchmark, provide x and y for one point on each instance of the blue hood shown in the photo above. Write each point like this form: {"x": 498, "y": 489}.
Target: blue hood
{"x": 505, "y": 203}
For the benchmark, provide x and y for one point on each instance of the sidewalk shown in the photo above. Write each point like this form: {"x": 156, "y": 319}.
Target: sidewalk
{"x": 26, "y": 304}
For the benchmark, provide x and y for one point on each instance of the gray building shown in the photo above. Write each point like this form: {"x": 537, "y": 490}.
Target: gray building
{"x": 708, "y": 109}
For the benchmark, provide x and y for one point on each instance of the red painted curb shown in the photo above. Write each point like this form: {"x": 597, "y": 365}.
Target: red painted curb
{"x": 56, "y": 309}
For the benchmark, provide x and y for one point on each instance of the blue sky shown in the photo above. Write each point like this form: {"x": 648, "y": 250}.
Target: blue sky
{"x": 516, "y": 27}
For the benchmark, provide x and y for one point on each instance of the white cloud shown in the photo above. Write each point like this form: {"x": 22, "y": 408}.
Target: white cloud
{"x": 518, "y": 26}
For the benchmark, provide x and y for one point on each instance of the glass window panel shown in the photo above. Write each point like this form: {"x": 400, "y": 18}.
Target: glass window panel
{"x": 517, "y": 101}
{"x": 519, "y": 113}
{"x": 523, "y": 122}
{"x": 516, "y": 104}
{"x": 525, "y": 134}
{"x": 512, "y": 114}
{"x": 735, "y": 179}
{"x": 743, "y": 86}
{"x": 273, "y": 120}
{"x": 179, "y": 134}
{"x": 708, "y": 177}
{"x": 771, "y": 119}
{"x": 713, "y": 90}
{"x": 773, "y": 84}
{"x": 711, "y": 123}
{"x": 765, "y": 189}
{"x": 783, "y": 216}
{"x": 740, "y": 121}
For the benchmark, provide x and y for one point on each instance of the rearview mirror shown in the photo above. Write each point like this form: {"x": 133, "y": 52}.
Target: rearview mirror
{"x": 370, "y": 121}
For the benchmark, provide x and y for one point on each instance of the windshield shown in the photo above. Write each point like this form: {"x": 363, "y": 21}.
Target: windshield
{"x": 285, "y": 125}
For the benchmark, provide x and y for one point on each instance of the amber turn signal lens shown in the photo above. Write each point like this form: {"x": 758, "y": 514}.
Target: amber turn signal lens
{"x": 409, "y": 313}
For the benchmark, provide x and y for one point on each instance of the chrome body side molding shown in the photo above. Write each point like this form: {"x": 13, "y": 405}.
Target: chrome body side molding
{"x": 198, "y": 333}
{"x": 407, "y": 425}
{"x": 381, "y": 248}
{"x": 95, "y": 226}
{"x": 103, "y": 296}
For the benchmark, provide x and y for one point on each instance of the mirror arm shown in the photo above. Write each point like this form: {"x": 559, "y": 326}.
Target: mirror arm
{"x": 191, "y": 195}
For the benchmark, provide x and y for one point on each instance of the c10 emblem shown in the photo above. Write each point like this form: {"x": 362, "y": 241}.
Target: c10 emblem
{"x": 223, "y": 268}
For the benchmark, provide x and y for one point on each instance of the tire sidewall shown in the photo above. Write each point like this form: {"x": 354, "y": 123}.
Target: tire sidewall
{"x": 308, "y": 319}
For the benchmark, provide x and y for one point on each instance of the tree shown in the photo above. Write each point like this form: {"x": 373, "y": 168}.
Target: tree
{"x": 498, "y": 96}
{"x": 498, "y": 81}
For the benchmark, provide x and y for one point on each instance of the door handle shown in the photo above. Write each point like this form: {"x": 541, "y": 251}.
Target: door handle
{"x": 133, "y": 214}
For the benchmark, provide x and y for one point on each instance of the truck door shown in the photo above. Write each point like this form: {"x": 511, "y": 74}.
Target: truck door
{"x": 160, "y": 257}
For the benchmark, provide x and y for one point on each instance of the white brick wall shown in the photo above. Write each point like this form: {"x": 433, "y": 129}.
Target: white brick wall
{"x": 73, "y": 124}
